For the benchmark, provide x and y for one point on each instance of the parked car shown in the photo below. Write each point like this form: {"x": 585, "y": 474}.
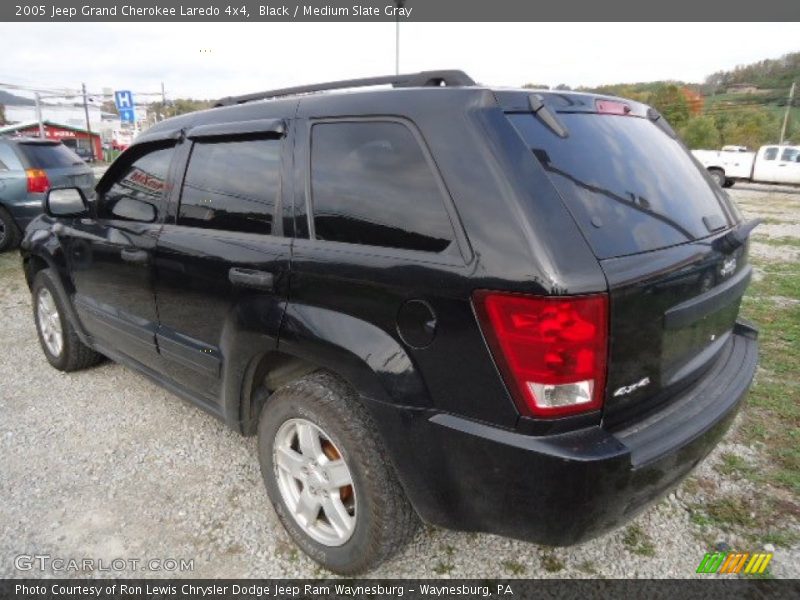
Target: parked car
{"x": 28, "y": 168}
{"x": 771, "y": 164}
{"x": 509, "y": 311}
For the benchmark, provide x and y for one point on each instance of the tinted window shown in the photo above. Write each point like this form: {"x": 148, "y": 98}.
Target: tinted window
{"x": 231, "y": 185}
{"x": 49, "y": 156}
{"x": 770, "y": 154}
{"x": 790, "y": 154}
{"x": 630, "y": 187}
{"x": 371, "y": 185}
{"x": 138, "y": 194}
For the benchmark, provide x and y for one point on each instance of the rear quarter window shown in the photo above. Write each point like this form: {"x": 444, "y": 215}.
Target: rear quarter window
{"x": 371, "y": 184}
{"x": 9, "y": 159}
{"x": 49, "y": 156}
{"x": 630, "y": 187}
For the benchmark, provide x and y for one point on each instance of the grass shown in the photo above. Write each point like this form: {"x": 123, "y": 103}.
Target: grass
{"x": 513, "y": 567}
{"x": 733, "y": 465}
{"x": 779, "y": 241}
{"x": 770, "y": 421}
{"x": 443, "y": 568}
{"x": 772, "y": 414}
{"x": 551, "y": 562}
{"x": 638, "y": 542}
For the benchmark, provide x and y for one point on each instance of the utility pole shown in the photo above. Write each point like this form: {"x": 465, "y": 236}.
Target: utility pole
{"x": 786, "y": 114}
{"x": 163, "y": 102}
{"x": 88, "y": 124}
{"x": 39, "y": 114}
{"x": 400, "y": 4}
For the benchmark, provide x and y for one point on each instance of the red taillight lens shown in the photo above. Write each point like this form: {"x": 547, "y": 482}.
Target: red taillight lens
{"x": 551, "y": 351}
{"x": 38, "y": 183}
{"x": 611, "y": 107}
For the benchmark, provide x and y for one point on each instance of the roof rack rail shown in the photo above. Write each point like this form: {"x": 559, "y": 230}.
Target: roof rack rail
{"x": 450, "y": 78}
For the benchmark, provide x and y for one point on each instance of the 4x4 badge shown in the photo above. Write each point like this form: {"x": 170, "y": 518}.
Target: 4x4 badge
{"x": 627, "y": 389}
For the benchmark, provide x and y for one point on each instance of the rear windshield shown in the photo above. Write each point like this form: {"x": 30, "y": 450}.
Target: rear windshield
{"x": 630, "y": 187}
{"x": 49, "y": 156}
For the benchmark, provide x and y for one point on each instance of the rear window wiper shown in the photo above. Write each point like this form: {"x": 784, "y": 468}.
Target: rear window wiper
{"x": 547, "y": 116}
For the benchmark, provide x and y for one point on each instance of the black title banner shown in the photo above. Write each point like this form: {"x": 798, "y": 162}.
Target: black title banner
{"x": 398, "y": 10}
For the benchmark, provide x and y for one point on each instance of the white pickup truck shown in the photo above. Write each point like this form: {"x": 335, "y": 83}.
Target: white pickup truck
{"x": 771, "y": 164}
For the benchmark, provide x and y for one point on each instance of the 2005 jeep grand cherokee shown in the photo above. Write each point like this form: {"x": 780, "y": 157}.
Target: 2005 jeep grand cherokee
{"x": 509, "y": 311}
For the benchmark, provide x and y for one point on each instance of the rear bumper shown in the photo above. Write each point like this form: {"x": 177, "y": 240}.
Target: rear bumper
{"x": 562, "y": 489}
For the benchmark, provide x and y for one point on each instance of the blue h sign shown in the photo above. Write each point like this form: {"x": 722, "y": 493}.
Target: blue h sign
{"x": 124, "y": 101}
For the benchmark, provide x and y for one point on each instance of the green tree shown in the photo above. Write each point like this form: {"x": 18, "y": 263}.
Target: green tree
{"x": 179, "y": 106}
{"x": 669, "y": 100}
{"x": 701, "y": 132}
{"x": 749, "y": 127}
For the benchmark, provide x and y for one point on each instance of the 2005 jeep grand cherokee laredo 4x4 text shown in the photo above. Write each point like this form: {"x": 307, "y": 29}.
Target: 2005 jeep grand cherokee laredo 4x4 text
{"x": 494, "y": 310}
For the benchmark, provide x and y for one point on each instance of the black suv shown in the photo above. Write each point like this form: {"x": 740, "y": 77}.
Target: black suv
{"x": 509, "y": 311}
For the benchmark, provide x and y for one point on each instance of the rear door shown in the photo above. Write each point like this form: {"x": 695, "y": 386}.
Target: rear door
{"x": 766, "y": 165}
{"x": 789, "y": 165}
{"x": 222, "y": 259}
{"x": 653, "y": 219}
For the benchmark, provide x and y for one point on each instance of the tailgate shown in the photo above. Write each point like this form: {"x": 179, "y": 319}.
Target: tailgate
{"x": 671, "y": 316}
{"x": 661, "y": 232}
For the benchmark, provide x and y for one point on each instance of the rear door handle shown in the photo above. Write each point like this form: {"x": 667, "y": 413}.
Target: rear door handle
{"x": 260, "y": 280}
{"x": 134, "y": 255}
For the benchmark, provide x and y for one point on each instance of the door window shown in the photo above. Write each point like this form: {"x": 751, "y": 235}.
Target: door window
{"x": 138, "y": 194}
{"x": 371, "y": 184}
{"x": 770, "y": 154}
{"x": 790, "y": 155}
{"x": 232, "y": 185}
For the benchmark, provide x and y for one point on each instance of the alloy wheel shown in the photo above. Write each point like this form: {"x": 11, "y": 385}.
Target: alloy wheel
{"x": 49, "y": 322}
{"x": 315, "y": 482}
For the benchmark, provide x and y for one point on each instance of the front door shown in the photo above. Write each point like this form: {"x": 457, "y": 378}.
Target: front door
{"x": 111, "y": 255}
{"x": 222, "y": 260}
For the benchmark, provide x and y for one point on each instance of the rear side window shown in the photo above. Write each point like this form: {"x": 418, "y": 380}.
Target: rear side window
{"x": 630, "y": 187}
{"x": 790, "y": 154}
{"x": 371, "y": 184}
{"x": 8, "y": 159}
{"x": 232, "y": 185}
{"x": 770, "y": 154}
{"x": 49, "y": 156}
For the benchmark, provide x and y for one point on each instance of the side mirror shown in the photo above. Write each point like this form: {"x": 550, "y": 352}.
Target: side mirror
{"x": 66, "y": 202}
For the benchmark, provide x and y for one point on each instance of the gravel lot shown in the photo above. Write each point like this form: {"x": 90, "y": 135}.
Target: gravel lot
{"x": 104, "y": 464}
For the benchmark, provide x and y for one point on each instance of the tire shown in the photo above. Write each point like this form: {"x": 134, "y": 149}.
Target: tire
{"x": 718, "y": 176}
{"x": 728, "y": 182}
{"x": 9, "y": 232}
{"x": 59, "y": 341}
{"x": 381, "y": 520}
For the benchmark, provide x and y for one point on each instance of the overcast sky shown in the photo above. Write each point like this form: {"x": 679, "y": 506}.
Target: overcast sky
{"x": 213, "y": 60}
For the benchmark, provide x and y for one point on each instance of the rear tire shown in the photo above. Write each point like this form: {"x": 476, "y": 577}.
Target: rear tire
{"x": 728, "y": 182}
{"x": 9, "y": 232}
{"x": 60, "y": 342}
{"x": 718, "y": 176}
{"x": 371, "y": 517}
